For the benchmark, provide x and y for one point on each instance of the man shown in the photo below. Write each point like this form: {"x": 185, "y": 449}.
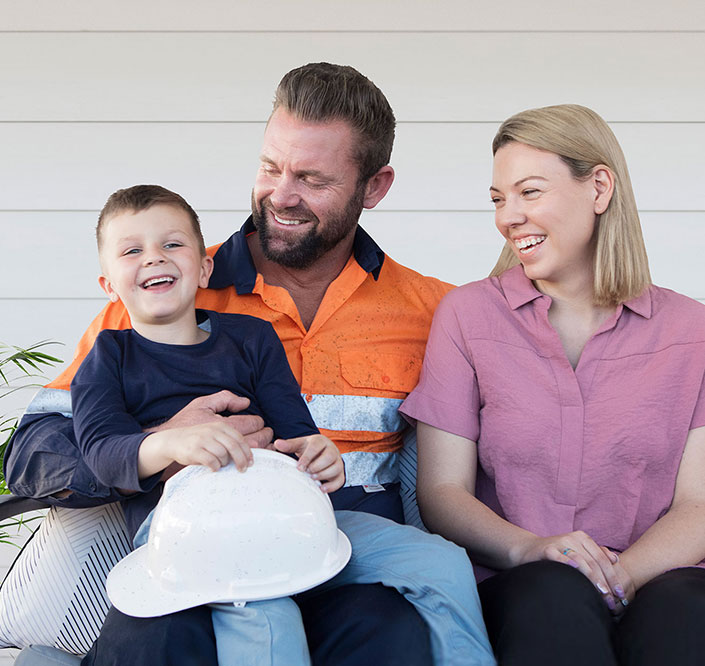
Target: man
{"x": 354, "y": 325}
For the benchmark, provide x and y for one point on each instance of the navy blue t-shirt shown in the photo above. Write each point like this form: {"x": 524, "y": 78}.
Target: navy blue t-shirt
{"x": 127, "y": 383}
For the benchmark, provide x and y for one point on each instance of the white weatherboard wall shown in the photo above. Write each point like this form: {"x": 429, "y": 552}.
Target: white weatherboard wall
{"x": 100, "y": 95}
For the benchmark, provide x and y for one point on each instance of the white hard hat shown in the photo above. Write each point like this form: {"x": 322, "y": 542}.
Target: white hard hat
{"x": 231, "y": 536}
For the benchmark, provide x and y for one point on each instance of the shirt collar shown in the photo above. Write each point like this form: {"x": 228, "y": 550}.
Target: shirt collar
{"x": 641, "y": 305}
{"x": 234, "y": 265}
{"x": 519, "y": 290}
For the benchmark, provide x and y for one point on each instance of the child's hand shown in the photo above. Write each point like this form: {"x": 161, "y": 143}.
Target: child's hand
{"x": 212, "y": 444}
{"x": 319, "y": 457}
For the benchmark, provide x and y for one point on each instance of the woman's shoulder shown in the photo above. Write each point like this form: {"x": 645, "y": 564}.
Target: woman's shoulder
{"x": 677, "y": 311}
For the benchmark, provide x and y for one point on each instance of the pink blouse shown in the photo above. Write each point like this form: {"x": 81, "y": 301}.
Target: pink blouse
{"x": 596, "y": 448}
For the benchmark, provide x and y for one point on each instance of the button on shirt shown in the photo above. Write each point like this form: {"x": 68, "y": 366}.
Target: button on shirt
{"x": 596, "y": 448}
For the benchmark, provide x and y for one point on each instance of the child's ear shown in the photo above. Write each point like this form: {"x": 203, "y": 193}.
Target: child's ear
{"x": 108, "y": 288}
{"x": 206, "y": 270}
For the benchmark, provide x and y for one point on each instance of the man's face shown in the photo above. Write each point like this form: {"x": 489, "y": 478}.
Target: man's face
{"x": 306, "y": 198}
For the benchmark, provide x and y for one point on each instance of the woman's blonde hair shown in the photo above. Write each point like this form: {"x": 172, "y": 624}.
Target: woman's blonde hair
{"x": 582, "y": 139}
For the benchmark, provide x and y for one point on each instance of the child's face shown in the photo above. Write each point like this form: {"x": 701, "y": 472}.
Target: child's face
{"x": 152, "y": 263}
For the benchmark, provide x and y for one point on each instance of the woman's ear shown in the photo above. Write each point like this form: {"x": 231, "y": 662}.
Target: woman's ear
{"x": 603, "y": 182}
{"x": 107, "y": 287}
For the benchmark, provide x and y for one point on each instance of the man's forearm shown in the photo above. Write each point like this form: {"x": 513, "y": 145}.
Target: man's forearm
{"x": 43, "y": 461}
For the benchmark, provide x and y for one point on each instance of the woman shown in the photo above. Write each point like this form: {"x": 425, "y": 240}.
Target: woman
{"x": 561, "y": 415}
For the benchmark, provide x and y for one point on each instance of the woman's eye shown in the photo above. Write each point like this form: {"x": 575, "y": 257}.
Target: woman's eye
{"x": 529, "y": 191}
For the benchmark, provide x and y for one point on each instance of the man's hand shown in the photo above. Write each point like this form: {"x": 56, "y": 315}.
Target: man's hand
{"x": 210, "y": 408}
{"x": 319, "y": 457}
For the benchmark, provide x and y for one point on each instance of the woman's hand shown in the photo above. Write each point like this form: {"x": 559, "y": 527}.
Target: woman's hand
{"x": 579, "y": 550}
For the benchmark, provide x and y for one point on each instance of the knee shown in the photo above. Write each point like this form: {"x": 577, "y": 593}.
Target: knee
{"x": 542, "y": 587}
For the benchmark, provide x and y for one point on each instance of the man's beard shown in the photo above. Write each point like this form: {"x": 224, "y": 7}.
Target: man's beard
{"x": 305, "y": 249}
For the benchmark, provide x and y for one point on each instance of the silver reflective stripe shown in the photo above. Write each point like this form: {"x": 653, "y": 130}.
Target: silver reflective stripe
{"x": 365, "y": 468}
{"x": 49, "y": 400}
{"x": 355, "y": 412}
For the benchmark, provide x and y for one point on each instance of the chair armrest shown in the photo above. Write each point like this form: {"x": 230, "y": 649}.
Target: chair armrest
{"x": 12, "y": 505}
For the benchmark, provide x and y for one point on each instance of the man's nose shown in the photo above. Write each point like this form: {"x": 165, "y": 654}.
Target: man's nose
{"x": 285, "y": 193}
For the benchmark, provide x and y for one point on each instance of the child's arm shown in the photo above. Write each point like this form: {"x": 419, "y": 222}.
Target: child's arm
{"x": 284, "y": 409}
{"x": 212, "y": 444}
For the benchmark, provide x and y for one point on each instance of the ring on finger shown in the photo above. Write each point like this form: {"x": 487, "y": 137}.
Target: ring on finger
{"x": 565, "y": 551}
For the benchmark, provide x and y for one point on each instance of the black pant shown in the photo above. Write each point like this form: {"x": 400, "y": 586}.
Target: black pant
{"x": 548, "y": 613}
{"x": 354, "y": 625}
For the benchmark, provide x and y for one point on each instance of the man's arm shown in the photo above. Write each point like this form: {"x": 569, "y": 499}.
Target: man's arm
{"x": 43, "y": 460}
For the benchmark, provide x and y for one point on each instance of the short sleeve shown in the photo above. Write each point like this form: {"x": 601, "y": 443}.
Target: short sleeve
{"x": 698, "y": 419}
{"x": 447, "y": 396}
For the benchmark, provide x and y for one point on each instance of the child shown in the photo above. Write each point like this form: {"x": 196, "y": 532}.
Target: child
{"x": 153, "y": 260}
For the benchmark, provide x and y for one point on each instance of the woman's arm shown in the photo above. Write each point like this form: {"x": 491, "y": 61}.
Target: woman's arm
{"x": 678, "y": 537}
{"x": 447, "y": 469}
{"x": 445, "y": 489}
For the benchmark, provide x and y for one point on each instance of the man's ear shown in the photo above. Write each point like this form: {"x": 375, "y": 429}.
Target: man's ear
{"x": 378, "y": 186}
{"x": 603, "y": 182}
{"x": 107, "y": 287}
{"x": 206, "y": 270}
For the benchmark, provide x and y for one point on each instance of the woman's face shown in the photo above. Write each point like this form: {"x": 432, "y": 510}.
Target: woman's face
{"x": 547, "y": 216}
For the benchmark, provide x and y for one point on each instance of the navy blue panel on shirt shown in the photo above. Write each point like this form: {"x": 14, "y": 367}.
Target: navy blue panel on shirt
{"x": 233, "y": 266}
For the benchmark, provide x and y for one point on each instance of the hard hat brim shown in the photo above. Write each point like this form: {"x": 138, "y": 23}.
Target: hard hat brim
{"x": 135, "y": 592}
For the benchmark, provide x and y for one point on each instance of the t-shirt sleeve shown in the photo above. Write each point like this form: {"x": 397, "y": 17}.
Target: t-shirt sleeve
{"x": 108, "y": 436}
{"x": 698, "y": 419}
{"x": 447, "y": 395}
{"x": 278, "y": 392}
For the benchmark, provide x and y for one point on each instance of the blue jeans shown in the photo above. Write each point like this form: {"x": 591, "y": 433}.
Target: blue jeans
{"x": 431, "y": 573}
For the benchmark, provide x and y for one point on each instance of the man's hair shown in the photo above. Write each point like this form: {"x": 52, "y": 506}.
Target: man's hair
{"x": 583, "y": 140}
{"x": 322, "y": 92}
{"x": 141, "y": 197}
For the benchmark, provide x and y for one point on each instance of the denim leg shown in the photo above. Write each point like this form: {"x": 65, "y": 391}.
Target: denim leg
{"x": 261, "y": 633}
{"x": 433, "y": 574}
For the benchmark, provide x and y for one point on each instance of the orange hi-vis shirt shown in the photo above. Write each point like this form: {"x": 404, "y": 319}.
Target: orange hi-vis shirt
{"x": 356, "y": 363}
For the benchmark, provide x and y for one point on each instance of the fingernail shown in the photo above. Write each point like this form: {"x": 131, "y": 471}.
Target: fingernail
{"x": 619, "y": 590}
{"x": 610, "y": 603}
{"x": 601, "y": 587}
{"x": 573, "y": 564}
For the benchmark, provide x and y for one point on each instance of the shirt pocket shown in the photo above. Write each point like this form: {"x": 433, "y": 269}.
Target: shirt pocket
{"x": 389, "y": 373}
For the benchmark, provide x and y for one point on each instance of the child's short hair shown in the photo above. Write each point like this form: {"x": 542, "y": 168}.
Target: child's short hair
{"x": 142, "y": 197}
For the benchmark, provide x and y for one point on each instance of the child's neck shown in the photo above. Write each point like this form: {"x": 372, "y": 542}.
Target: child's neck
{"x": 181, "y": 332}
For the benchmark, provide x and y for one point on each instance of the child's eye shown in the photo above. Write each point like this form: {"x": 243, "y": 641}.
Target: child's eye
{"x": 132, "y": 250}
{"x": 173, "y": 244}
